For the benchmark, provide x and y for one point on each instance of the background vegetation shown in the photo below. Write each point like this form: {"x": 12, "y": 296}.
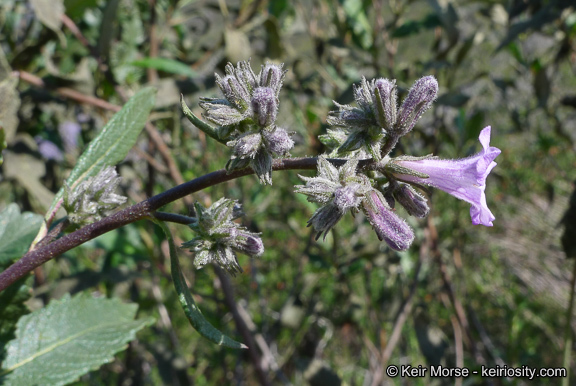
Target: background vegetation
{"x": 330, "y": 311}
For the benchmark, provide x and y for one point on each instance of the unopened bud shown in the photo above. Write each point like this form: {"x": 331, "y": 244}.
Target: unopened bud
{"x": 385, "y": 97}
{"x": 235, "y": 92}
{"x": 250, "y": 244}
{"x": 419, "y": 99}
{"x": 325, "y": 218}
{"x": 247, "y": 145}
{"x": 264, "y": 106}
{"x": 271, "y": 76}
{"x": 387, "y": 225}
{"x": 278, "y": 141}
{"x": 413, "y": 202}
{"x": 346, "y": 198}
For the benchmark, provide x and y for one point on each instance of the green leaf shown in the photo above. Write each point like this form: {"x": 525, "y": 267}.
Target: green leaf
{"x": 114, "y": 141}
{"x": 167, "y": 65}
{"x": 191, "y": 310}
{"x": 59, "y": 343}
{"x": 200, "y": 124}
{"x": 16, "y": 232}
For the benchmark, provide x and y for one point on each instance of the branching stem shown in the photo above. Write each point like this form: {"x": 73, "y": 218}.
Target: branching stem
{"x": 139, "y": 211}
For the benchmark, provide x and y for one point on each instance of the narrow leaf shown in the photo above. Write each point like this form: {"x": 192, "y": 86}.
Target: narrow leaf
{"x": 167, "y": 65}
{"x": 59, "y": 343}
{"x": 191, "y": 310}
{"x": 16, "y": 232}
{"x": 200, "y": 124}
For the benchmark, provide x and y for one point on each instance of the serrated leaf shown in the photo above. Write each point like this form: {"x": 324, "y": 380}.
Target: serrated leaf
{"x": 16, "y": 232}
{"x": 59, "y": 343}
{"x": 191, "y": 310}
{"x": 166, "y": 65}
{"x": 113, "y": 142}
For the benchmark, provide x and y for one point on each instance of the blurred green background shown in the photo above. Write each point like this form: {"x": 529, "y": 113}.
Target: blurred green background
{"x": 328, "y": 312}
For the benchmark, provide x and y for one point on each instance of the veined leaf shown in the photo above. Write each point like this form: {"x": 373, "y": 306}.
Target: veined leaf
{"x": 114, "y": 141}
{"x": 57, "y": 344}
{"x": 166, "y": 65}
{"x": 191, "y": 310}
{"x": 16, "y": 232}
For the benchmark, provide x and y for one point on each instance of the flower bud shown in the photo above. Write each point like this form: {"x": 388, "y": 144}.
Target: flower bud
{"x": 250, "y": 244}
{"x": 264, "y": 106}
{"x": 219, "y": 238}
{"x": 419, "y": 99}
{"x": 247, "y": 145}
{"x": 346, "y": 198}
{"x": 385, "y": 97}
{"x": 413, "y": 202}
{"x": 278, "y": 141}
{"x": 244, "y": 74}
{"x": 271, "y": 76}
{"x": 234, "y": 91}
{"x": 94, "y": 198}
{"x": 325, "y": 218}
{"x": 387, "y": 225}
{"x": 262, "y": 166}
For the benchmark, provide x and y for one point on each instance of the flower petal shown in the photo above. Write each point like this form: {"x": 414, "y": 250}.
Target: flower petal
{"x": 464, "y": 178}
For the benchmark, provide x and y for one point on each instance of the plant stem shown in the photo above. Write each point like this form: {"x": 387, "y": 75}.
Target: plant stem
{"x": 139, "y": 211}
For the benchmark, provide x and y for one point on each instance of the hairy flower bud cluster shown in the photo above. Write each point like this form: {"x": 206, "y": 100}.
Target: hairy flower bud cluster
{"x": 360, "y": 131}
{"x": 246, "y": 117}
{"x": 219, "y": 237}
{"x": 94, "y": 198}
{"x": 337, "y": 189}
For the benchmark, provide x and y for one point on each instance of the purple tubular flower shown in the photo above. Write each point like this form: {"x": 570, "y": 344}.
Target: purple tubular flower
{"x": 419, "y": 99}
{"x": 463, "y": 178}
{"x": 264, "y": 106}
{"x": 387, "y": 225}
